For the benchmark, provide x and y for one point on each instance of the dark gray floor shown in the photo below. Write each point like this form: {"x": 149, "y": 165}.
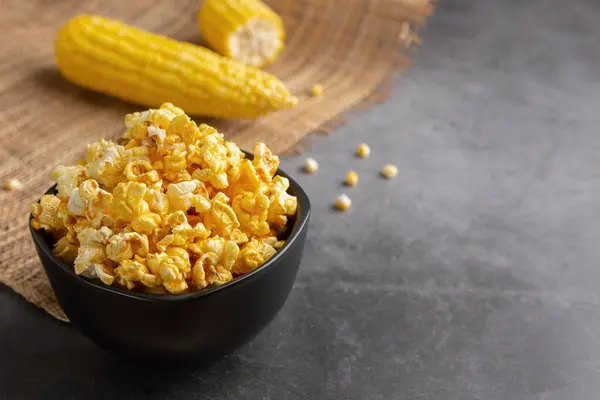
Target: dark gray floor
{"x": 473, "y": 275}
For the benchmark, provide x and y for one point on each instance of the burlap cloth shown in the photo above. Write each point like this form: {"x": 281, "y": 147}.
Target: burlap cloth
{"x": 351, "y": 47}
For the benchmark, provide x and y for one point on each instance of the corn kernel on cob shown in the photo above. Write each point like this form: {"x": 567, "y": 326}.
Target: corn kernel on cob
{"x": 137, "y": 66}
{"x": 245, "y": 30}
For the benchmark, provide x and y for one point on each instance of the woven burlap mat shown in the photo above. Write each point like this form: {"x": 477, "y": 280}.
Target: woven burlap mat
{"x": 351, "y": 47}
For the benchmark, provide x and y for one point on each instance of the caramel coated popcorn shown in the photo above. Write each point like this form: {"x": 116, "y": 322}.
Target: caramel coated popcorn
{"x": 171, "y": 208}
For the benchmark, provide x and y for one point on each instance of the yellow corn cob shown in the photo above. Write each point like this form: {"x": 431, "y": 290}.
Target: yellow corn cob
{"x": 245, "y": 30}
{"x": 148, "y": 69}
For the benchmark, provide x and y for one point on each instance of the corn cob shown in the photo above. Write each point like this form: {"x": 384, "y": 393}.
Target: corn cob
{"x": 137, "y": 66}
{"x": 245, "y": 30}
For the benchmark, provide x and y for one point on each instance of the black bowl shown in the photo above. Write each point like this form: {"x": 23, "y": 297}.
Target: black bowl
{"x": 201, "y": 325}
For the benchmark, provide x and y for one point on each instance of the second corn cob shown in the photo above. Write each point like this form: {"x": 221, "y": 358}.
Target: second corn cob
{"x": 126, "y": 62}
{"x": 245, "y": 30}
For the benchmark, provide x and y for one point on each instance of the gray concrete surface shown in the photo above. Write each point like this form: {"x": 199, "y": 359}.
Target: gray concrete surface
{"x": 473, "y": 275}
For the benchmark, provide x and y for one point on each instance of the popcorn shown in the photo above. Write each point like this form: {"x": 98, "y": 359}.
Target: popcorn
{"x": 68, "y": 178}
{"x": 91, "y": 260}
{"x": 173, "y": 267}
{"x": 169, "y": 207}
{"x": 185, "y": 195}
{"x": 123, "y": 246}
{"x": 45, "y": 213}
{"x": 265, "y": 162}
{"x": 253, "y": 254}
{"x": 131, "y": 271}
{"x": 65, "y": 249}
{"x": 105, "y": 163}
{"x": 282, "y": 204}
{"x": 252, "y": 210}
{"x": 220, "y": 215}
{"x": 181, "y": 233}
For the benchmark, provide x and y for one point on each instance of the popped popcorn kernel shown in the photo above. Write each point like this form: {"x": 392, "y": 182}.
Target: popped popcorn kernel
{"x": 14, "y": 184}
{"x": 311, "y": 165}
{"x": 389, "y": 171}
{"x": 363, "y": 150}
{"x": 167, "y": 208}
{"x": 351, "y": 178}
{"x": 343, "y": 202}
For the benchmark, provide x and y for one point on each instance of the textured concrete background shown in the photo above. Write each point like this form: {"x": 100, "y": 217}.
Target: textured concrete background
{"x": 473, "y": 275}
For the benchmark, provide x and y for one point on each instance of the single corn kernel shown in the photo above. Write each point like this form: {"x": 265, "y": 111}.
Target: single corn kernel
{"x": 363, "y": 150}
{"x": 311, "y": 165}
{"x": 316, "y": 90}
{"x": 343, "y": 202}
{"x": 14, "y": 184}
{"x": 351, "y": 178}
{"x": 389, "y": 171}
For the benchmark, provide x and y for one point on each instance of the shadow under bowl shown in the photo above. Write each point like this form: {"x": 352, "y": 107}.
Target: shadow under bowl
{"x": 195, "y": 326}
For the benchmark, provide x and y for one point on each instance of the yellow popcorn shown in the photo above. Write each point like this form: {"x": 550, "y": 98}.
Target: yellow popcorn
{"x": 185, "y": 128}
{"x": 131, "y": 271}
{"x": 68, "y": 178}
{"x": 235, "y": 235}
{"x": 89, "y": 200}
{"x": 65, "y": 249}
{"x": 221, "y": 215}
{"x": 175, "y": 165}
{"x": 157, "y": 201}
{"x": 91, "y": 260}
{"x": 169, "y": 207}
{"x": 141, "y": 171}
{"x": 252, "y": 210}
{"x": 252, "y": 255}
{"x": 207, "y": 271}
{"x": 45, "y": 213}
{"x": 173, "y": 267}
{"x": 181, "y": 233}
{"x": 129, "y": 205}
{"x": 265, "y": 163}
{"x": 185, "y": 195}
{"x": 282, "y": 204}
{"x": 105, "y": 163}
{"x": 225, "y": 251}
{"x": 244, "y": 177}
{"x": 123, "y": 246}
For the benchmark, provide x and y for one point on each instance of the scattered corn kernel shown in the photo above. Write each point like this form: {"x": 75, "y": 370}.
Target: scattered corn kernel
{"x": 173, "y": 207}
{"x": 316, "y": 90}
{"x": 389, "y": 171}
{"x": 14, "y": 184}
{"x": 311, "y": 165}
{"x": 351, "y": 178}
{"x": 363, "y": 150}
{"x": 343, "y": 202}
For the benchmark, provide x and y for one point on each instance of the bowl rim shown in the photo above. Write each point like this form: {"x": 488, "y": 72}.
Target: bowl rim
{"x": 300, "y": 224}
